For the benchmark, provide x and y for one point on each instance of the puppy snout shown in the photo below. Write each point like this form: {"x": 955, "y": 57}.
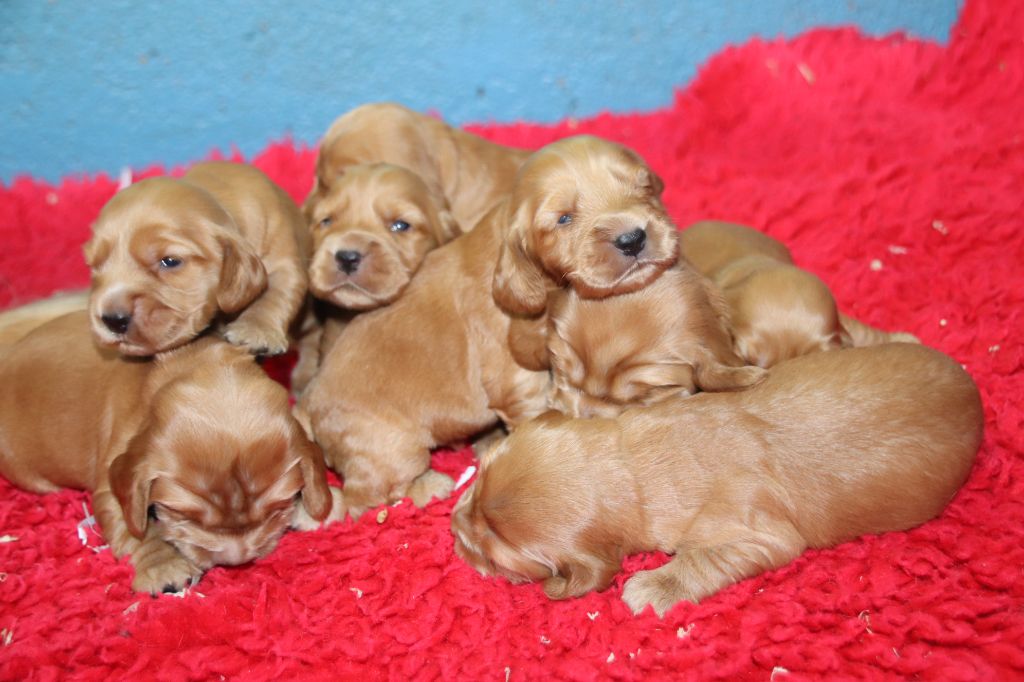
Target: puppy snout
{"x": 348, "y": 260}
{"x": 631, "y": 243}
{"x": 116, "y": 321}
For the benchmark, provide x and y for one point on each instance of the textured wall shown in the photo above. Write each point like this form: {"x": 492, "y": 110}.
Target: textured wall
{"x": 97, "y": 85}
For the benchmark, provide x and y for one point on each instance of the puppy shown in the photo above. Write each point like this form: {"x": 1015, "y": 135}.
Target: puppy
{"x": 435, "y": 366}
{"x": 670, "y": 338}
{"x": 370, "y": 231}
{"x": 471, "y": 173}
{"x": 171, "y": 256}
{"x": 588, "y": 216}
{"x": 778, "y": 310}
{"x": 829, "y": 447}
{"x": 193, "y": 458}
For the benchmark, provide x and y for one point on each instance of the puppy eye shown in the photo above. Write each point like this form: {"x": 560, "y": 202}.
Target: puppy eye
{"x": 399, "y": 226}
{"x": 565, "y": 219}
{"x": 326, "y": 222}
{"x": 169, "y": 262}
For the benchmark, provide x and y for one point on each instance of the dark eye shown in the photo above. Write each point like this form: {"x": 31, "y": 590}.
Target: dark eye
{"x": 326, "y": 222}
{"x": 399, "y": 226}
{"x": 565, "y": 219}
{"x": 170, "y": 262}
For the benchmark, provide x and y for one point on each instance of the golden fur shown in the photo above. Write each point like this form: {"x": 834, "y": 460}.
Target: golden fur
{"x": 471, "y": 173}
{"x": 17, "y": 322}
{"x": 829, "y": 447}
{"x": 171, "y": 256}
{"x": 200, "y": 438}
{"x": 778, "y": 311}
{"x": 668, "y": 339}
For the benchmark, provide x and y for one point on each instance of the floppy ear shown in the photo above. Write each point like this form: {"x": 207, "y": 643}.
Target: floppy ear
{"x": 242, "y": 275}
{"x": 131, "y": 481}
{"x": 519, "y": 284}
{"x": 316, "y": 495}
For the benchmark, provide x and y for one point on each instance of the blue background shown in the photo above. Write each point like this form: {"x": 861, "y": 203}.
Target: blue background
{"x": 97, "y": 85}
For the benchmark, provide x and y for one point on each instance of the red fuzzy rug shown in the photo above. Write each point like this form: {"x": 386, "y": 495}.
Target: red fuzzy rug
{"x": 894, "y": 169}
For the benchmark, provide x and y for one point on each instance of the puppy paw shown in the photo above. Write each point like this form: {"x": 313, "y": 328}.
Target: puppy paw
{"x": 903, "y": 337}
{"x": 302, "y": 521}
{"x": 257, "y": 339}
{"x": 171, "y": 572}
{"x": 660, "y": 588}
{"x": 428, "y": 485}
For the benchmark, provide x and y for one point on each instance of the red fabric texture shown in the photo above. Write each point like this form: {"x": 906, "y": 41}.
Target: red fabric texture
{"x": 892, "y": 167}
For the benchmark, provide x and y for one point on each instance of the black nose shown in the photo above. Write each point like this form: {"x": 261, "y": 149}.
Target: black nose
{"x": 631, "y": 243}
{"x": 348, "y": 260}
{"x": 117, "y": 322}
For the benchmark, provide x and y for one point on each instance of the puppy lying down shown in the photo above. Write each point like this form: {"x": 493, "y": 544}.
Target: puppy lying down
{"x": 829, "y": 447}
{"x": 778, "y": 311}
{"x": 193, "y": 459}
{"x": 170, "y": 256}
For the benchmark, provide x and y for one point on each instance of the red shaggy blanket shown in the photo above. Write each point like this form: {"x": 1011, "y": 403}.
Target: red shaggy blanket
{"x": 893, "y": 168}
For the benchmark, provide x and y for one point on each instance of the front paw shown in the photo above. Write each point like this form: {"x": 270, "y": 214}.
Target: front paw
{"x": 257, "y": 339}
{"x": 659, "y": 588}
{"x": 429, "y": 485}
{"x": 302, "y": 521}
{"x": 170, "y": 572}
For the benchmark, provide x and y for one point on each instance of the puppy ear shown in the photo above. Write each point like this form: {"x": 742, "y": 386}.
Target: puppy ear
{"x": 519, "y": 284}
{"x": 316, "y": 495}
{"x": 242, "y": 275}
{"x": 650, "y": 181}
{"x": 131, "y": 481}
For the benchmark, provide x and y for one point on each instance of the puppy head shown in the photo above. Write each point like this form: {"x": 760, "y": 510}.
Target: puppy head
{"x": 165, "y": 259}
{"x": 782, "y": 313}
{"x": 220, "y": 462}
{"x": 388, "y": 133}
{"x": 666, "y": 340}
{"x": 586, "y": 213}
{"x": 371, "y": 231}
{"x": 539, "y": 510}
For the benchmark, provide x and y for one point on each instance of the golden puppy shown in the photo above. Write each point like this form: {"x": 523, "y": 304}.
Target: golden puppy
{"x": 471, "y": 173}
{"x": 829, "y": 447}
{"x": 371, "y": 231}
{"x": 778, "y": 310}
{"x": 171, "y": 256}
{"x": 588, "y": 215}
{"x": 668, "y": 339}
{"x": 193, "y": 458}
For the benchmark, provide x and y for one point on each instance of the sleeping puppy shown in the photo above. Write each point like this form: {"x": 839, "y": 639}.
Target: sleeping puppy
{"x": 829, "y": 447}
{"x": 778, "y": 310}
{"x": 169, "y": 257}
{"x": 370, "y": 231}
{"x": 471, "y": 173}
{"x": 435, "y": 366}
{"x": 193, "y": 459}
{"x": 670, "y": 338}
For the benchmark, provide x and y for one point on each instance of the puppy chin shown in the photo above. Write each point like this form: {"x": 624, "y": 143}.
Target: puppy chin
{"x": 622, "y": 276}
{"x": 352, "y": 294}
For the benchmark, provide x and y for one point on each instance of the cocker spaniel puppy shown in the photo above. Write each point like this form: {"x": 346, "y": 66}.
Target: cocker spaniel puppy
{"x": 193, "y": 458}
{"x": 778, "y": 310}
{"x": 829, "y": 447}
{"x": 471, "y": 173}
{"x": 670, "y": 338}
{"x": 588, "y": 216}
{"x": 169, "y": 257}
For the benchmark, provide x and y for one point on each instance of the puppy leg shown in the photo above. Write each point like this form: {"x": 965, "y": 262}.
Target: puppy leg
{"x": 700, "y": 572}
{"x": 302, "y": 521}
{"x": 712, "y": 375}
{"x": 865, "y": 335}
{"x": 309, "y": 360}
{"x": 159, "y": 567}
{"x": 429, "y": 485}
{"x": 263, "y": 326}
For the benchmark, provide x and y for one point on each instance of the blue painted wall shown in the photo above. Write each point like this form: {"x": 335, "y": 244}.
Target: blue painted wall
{"x": 94, "y": 85}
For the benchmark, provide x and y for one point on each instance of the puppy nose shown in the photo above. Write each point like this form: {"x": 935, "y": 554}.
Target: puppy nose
{"x": 116, "y": 322}
{"x": 348, "y": 260}
{"x": 631, "y": 243}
